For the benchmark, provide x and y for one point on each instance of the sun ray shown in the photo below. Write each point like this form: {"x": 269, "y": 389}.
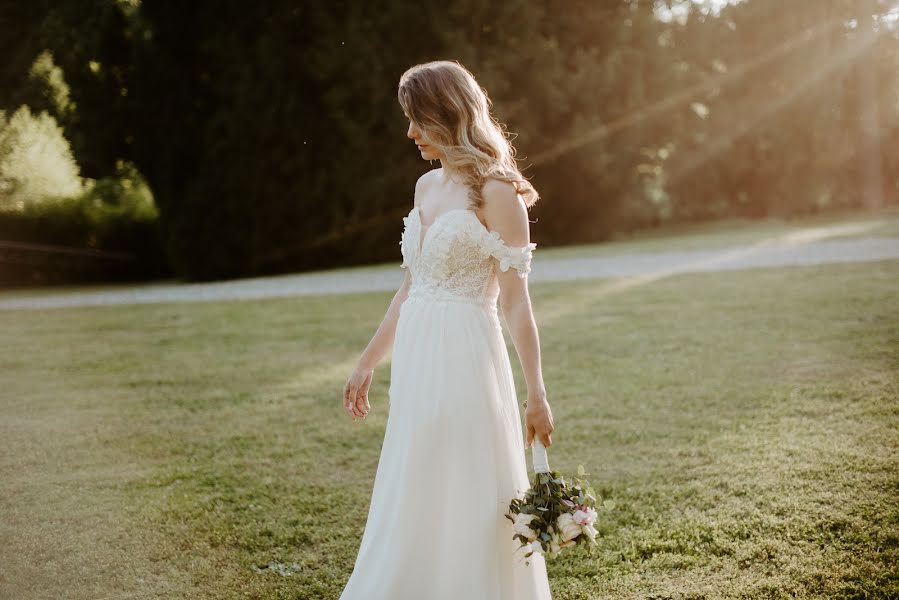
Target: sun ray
{"x": 848, "y": 54}
{"x": 736, "y": 73}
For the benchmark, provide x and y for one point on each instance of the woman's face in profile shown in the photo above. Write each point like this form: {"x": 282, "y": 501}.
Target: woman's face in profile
{"x": 418, "y": 135}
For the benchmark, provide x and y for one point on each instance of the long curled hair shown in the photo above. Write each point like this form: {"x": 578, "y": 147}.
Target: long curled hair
{"x": 443, "y": 98}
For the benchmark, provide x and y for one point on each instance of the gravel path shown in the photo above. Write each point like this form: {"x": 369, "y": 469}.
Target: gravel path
{"x": 783, "y": 251}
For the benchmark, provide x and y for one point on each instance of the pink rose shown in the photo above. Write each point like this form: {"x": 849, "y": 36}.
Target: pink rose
{"x": 585, "y": 517}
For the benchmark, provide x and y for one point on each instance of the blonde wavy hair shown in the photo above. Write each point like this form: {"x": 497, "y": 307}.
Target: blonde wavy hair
{"x": 443, "y": 98}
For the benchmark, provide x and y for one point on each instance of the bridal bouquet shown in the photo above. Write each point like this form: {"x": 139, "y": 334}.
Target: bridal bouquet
{"x": 554, "y": 514}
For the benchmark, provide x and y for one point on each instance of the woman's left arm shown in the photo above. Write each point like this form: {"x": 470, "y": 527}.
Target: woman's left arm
{"x": 507, "y": 215}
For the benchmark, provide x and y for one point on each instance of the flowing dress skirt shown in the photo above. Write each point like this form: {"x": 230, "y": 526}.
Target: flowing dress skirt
{"x": 452, "y": 458}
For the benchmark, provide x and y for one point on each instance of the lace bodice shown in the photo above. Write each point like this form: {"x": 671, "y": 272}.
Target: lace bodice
{"x": 457, "y": 256}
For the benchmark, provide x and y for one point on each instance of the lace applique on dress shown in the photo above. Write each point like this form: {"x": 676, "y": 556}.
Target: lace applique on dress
{"x": 404, "y": 264}
{"x": 457, "y": 257}
{"x": 509, "y": 256}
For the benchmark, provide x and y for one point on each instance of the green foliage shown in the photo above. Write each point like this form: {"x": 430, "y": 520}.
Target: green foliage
{"x": 51, "y": 84}
{"x": 114, "y": 214}
{"x": 271, "y": 136}
{"x": 124, "y": 195}
{"x": 36, "y": 162}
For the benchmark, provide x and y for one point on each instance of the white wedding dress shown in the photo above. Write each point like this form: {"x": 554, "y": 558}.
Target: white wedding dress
{"x": 453, "y": 454}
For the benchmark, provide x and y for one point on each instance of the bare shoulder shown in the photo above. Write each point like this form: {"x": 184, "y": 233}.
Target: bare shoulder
{"x": 423, "y": 182}
{"x": 502, "y": 202}
{"x": 497, "y": 191}
{"x": 505, "y": 211}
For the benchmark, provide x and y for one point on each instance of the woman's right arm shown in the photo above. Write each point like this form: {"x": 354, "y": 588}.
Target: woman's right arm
{"x": 355, "y": 392}
{"x": 382, "y": 342}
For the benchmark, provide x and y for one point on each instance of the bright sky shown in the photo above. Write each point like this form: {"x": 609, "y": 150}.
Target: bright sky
{"x": 679, "y": 11}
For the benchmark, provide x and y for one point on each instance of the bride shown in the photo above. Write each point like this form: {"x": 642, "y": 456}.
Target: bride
{"x": 453, "y": 451}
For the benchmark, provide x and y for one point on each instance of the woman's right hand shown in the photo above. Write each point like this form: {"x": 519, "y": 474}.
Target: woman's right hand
{"x": 355, "y": 393}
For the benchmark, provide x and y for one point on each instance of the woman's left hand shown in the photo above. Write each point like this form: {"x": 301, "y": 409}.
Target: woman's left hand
{"x": 539, "y": 421}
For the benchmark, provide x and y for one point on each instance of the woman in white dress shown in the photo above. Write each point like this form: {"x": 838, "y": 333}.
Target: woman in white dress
{"x": 453, "y": 454}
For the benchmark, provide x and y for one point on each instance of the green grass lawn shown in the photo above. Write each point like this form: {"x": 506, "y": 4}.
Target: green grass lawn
{"x": 736, "y": 232}
{"x": 746, "y": 423}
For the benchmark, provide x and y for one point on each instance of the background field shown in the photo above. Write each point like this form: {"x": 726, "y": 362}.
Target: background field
{"x": 745, "y": 423}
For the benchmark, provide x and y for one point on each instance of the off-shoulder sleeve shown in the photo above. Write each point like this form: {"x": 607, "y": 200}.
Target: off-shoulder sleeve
{"x": 509, "y": 256}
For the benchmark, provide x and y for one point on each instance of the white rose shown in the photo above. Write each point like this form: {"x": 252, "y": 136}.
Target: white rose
{"x": 555, "y": 544}
{"x": 568, "y": 527}
{"x": 522, "y": 520}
